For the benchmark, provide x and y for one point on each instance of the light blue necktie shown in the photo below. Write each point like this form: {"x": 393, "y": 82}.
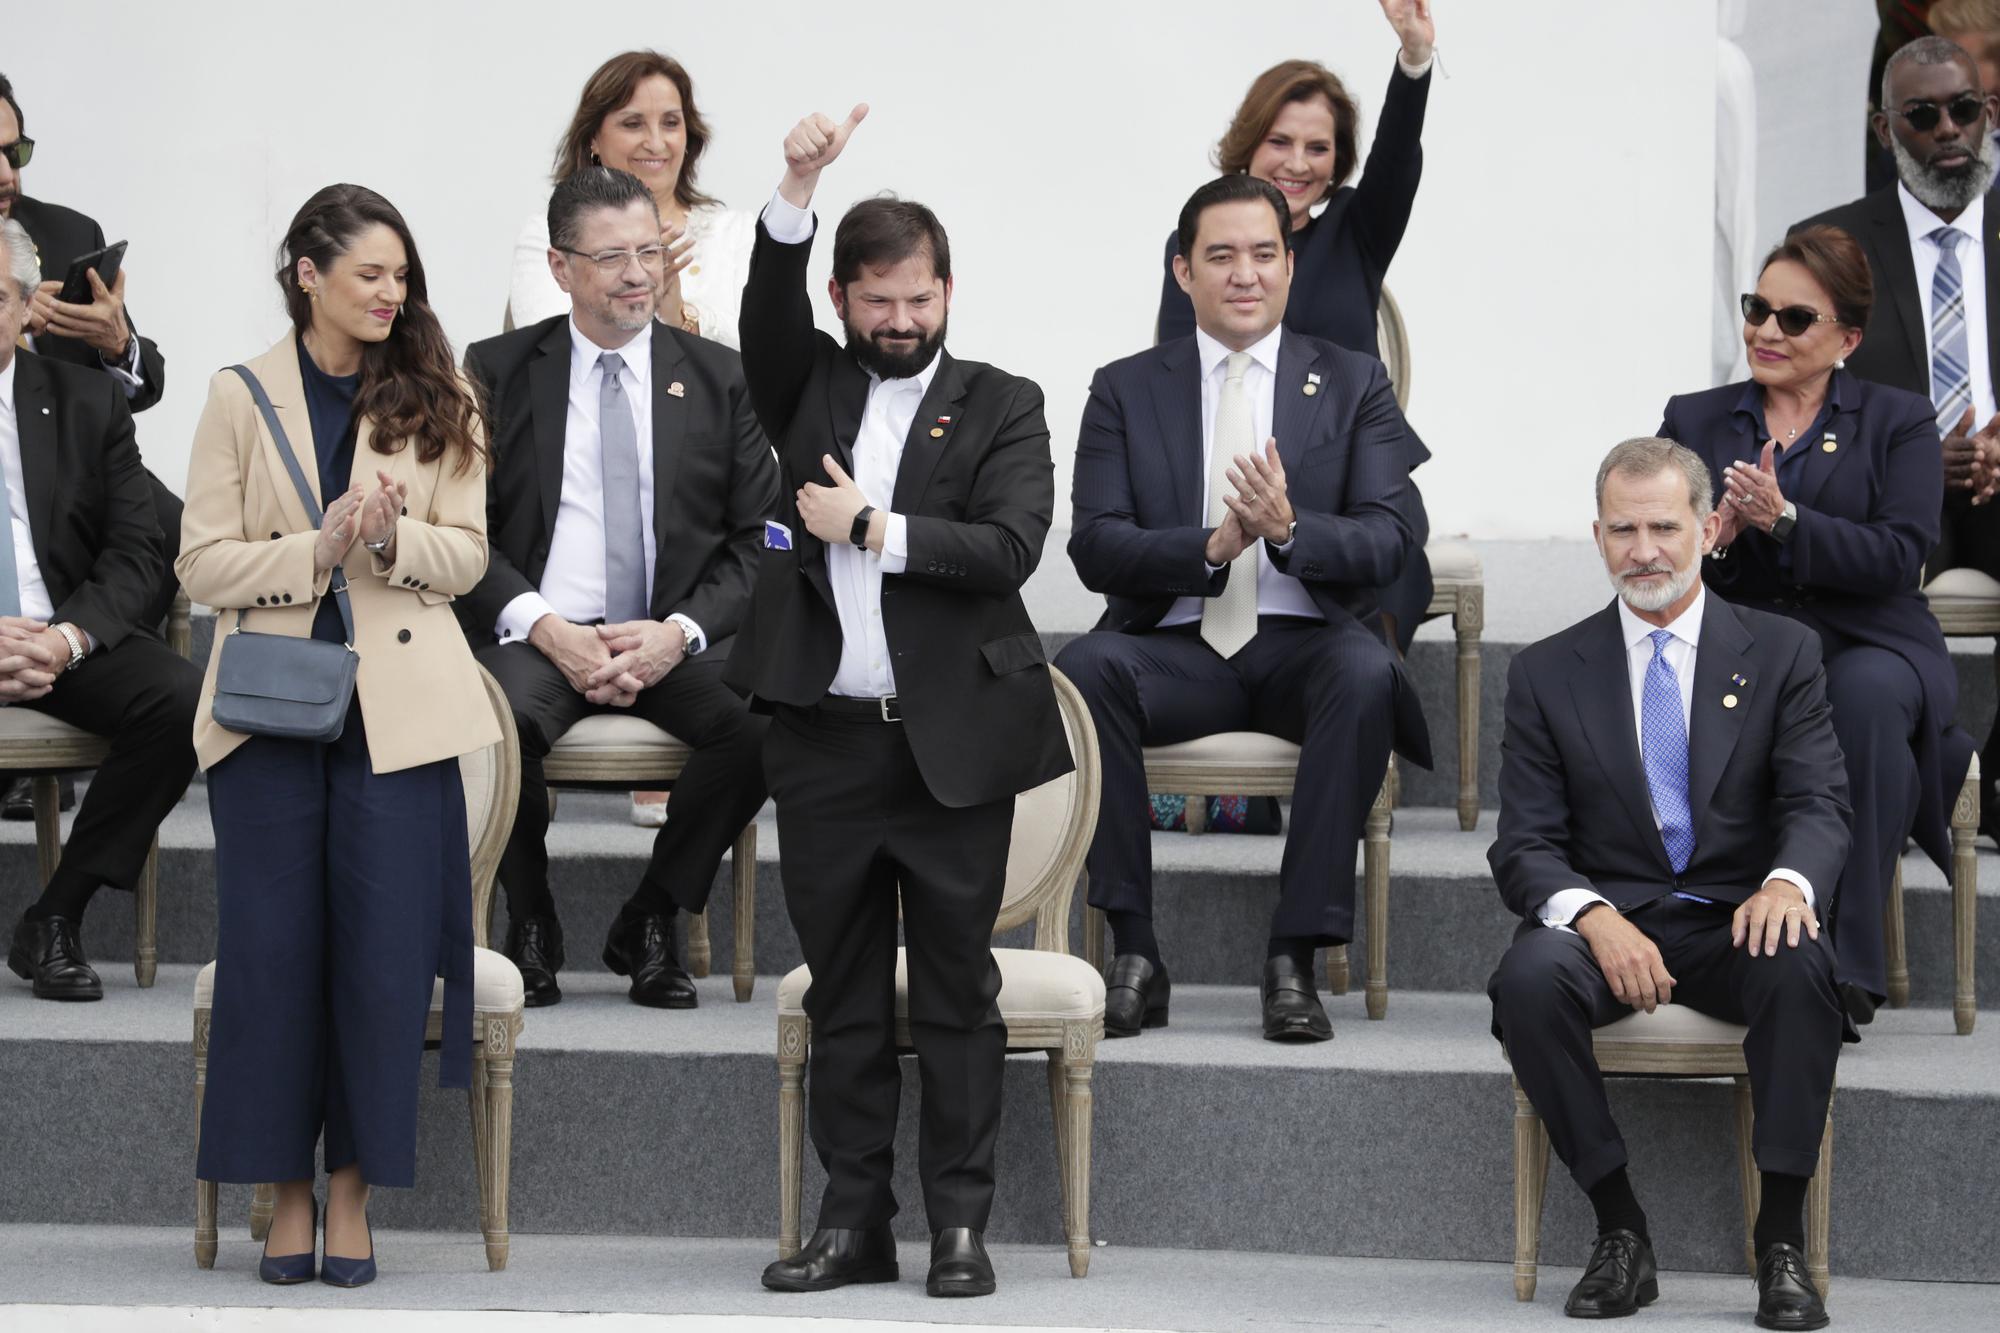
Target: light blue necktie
{"x": 10, "y": 576}
{"x": 1951, "y": 374}
{"x": 1664, "y": 746}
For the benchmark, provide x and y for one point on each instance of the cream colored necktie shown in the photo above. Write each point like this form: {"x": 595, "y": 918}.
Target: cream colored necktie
{"x": 1229, "y": 621}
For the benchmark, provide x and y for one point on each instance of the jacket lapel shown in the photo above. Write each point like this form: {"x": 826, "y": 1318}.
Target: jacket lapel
{"x": 1843, "y": 427}
{"x": 1891, "y": 242}
{"x": 669, "y": 429}
{"x": 548, "y": 413}
{"x": 1989, "y": 244}
{"x": 1714, "y": 726}
{"x": 1177, "y": 405}
{"x": 846, "y": 400}
{"x": 34, "y": 415}
{"x": 1293, "y": 413}
{"x": 278, "y": 371}
{"x": 1602, "y": 692}
{"x": 922, "y": 450}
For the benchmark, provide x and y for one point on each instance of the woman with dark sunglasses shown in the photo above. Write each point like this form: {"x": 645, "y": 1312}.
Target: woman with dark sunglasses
{"x": 1830, "y": 488}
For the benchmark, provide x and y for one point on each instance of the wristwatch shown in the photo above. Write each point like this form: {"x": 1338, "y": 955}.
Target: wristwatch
{"x": 381, "y": 546}
{"x": 1787, "y": 519}
{"x": 75, "y": 642}
{"x": 858, "y": 534}
{"x": 1586, "y": 910}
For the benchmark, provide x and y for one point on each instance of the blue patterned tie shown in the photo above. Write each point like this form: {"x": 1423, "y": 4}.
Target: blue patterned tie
{"x": 1951, "y": 374}
{"x": 1664, "y": 745}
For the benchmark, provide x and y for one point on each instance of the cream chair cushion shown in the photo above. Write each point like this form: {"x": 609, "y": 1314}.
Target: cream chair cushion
{"x": 1041, "y": 824}
{"x": 1962, "y": 587}
{"x": 1671, "y": 1024}
{"x": 1235, "y": 748}
{"x": 610, "y": 732}
{"x": 496, "y": 985}
{"x": 1034, "y": 984}
{"x": 1454, "y": 562}
{"x": 25, "y": 724}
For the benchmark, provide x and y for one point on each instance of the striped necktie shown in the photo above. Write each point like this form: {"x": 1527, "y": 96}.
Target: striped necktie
{"x": 1951, "y": 375}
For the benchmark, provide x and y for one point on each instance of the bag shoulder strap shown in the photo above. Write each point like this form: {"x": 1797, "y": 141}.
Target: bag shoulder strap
{"x": 313, "y": 512}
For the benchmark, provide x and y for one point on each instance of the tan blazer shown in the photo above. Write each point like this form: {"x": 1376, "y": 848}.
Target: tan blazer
{"x": 246, "y": 543}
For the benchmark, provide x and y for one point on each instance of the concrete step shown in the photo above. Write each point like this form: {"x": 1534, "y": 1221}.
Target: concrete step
{"x": 1394, "y": 1140}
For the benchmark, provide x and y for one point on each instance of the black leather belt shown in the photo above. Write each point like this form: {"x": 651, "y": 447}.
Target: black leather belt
{"x": 885, "y": 709}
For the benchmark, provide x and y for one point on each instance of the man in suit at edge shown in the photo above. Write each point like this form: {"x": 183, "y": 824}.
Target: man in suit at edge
{"x": 76, "y": 570}
{"x": 1241, "y": 499}
{"x": 628, "y": 491}
{"x": 1935, "y": 329}
{"x": 1671, "y": 793}
{"x": 912, "y": 699}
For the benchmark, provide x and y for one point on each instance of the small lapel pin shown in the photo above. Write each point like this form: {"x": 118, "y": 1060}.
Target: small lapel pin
{"x": 1829, "y": 444}
{"x": 944, "y": 421}
{"x": 1312, "y": 386}
{"x": 676, "y": 390}
{"x": 45, "y": 411}
{"x": 937, "y": 432}
{"x": 1740, "y": 679}
{"x": 1729, "y": 701}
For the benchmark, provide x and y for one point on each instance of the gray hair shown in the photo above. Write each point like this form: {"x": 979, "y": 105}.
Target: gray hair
{"x": 1650, "y": 455}
{"x": 1926, "y": 50}
{"x": 23, "y": 265}
{"x": 588, "y": 190}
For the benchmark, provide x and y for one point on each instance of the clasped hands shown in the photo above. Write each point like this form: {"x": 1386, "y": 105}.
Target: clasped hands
{"x": 371, "y": 514}
{"x": 32, "y": 654}
{"x": 1972, "y": 458}
{"x": 1630, "y": 961}
{"x": 611, "y": 664}
{"x": 101, "y": 324}
{"x": 1260, "y": 507}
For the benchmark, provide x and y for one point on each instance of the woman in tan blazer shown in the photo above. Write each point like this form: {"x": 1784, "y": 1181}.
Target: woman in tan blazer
{"x": 342, "y": 879}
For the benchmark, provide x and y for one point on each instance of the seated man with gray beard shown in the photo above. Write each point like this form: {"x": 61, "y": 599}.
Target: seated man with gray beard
{"x": 1670, "y": 793}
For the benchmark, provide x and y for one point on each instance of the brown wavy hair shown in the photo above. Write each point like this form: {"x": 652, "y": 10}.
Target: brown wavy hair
{"x": 410, "y": 385}
{"x": 611, "y": 87}
{"x": 1275, "y": 89}
{"x": 1836, "y": 262}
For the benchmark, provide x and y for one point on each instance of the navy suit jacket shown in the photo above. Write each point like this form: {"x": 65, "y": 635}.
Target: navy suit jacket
{"x": 1766, "y": 781}
{"x": 1139, "y": 528}
{"x": 1868, "y": 518}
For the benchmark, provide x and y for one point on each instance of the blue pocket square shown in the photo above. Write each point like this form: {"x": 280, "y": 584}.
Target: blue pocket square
{"x": 777, "y": 537}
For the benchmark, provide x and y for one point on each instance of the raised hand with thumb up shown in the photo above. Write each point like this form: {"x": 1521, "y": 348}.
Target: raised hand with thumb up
{"x": 810, "y": 148}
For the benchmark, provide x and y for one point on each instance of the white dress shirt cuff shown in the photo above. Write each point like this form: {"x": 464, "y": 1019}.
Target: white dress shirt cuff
{"x": 1794, "y": 877}
{"x": 126, "y": 369}
{"x": 519, "y": 616}
{"x": 896, "y": 545}
{"x": 695, "y": 641}
{"x": 1285, "y": 549}
{"x": 1416, "y": 71}
{"x": 1563, "y": 905}
{"x": 787, "y": 225}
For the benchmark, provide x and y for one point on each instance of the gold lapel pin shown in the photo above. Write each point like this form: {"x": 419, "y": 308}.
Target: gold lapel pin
{"x": 1739, "y": 679}
{"x": 676, "y": 390}
{"x": 937, "y": 432}
{"x": 1729, "y": 701}
{"x": 1829, "y": 444}
{"x": 1312, "y": 383}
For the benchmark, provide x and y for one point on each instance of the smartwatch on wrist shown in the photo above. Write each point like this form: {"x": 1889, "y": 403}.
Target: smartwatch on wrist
{"x": 858, "y": 534}
{"x": 1782, "y": 525}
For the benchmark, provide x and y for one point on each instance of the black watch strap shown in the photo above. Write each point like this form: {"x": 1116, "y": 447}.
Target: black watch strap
{"x": 858, "y": 534}
{"x": 1586, "y": 910}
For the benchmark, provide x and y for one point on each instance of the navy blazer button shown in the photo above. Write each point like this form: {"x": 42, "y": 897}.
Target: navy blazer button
{"x": 274, "y": 536}
{"x": 260, "y": 601}
{"x": 402, "y": 636}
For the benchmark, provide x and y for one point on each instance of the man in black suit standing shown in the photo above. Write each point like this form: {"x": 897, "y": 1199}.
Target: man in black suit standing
{"x": 628, "y": 492}
{"x": 912, "y": 699}
{"x": 1241, "y": 499}
{"x": 1672, "y": 801}
{"x": 76, "y": 570}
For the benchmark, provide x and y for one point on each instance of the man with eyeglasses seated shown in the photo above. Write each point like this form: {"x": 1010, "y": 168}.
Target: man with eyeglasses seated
{"x": 1934, "y": 262}
{"x": 98, "y": 335}
{"x": 626, "y": 502}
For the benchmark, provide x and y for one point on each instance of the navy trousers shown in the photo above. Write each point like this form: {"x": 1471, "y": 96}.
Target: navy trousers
{"x": 341, "y": 895}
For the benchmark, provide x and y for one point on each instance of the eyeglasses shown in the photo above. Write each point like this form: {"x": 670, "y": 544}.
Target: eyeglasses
{"x": 614, "y": 261}
{"x": 18, "y": 153}
{"x": 1793, "y": 320}
{"x": 1965, "y": 109}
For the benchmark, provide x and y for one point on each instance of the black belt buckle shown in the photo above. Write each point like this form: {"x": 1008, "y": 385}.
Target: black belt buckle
{"x": 891, "y": 709}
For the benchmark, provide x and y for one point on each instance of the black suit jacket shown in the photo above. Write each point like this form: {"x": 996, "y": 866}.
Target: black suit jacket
{"x": 90, "y": 505}
{"x": 971, "y": 676}
{"x": 1766, "y": 781}
{"x": 713, "y": 479}
{"x": 1139, "y": 532}
{"x": 62, "y": 235}
{"x": 1892, "y": 349}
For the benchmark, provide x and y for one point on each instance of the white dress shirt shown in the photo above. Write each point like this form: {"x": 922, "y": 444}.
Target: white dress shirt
{"x": 572, "y": 584}
{"x": 712, "y": 282}
{"x": 1564, "y": 904}
{"x": 1278, "y": 594}
{"x": 855, "y": 572}
{"x": 35, "y": 603}
{"x": 1971, "y": 254}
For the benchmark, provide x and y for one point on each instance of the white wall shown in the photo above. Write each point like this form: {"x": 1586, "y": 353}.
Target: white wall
{"x": 1555, "y": 275}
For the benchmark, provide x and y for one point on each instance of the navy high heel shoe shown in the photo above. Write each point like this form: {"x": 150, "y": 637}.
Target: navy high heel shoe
{"x": 338, "y": 1272}
{"x": 284, "y": 1270}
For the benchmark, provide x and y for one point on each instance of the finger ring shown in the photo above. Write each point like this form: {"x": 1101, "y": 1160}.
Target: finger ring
{"x": 1793, "y": 911}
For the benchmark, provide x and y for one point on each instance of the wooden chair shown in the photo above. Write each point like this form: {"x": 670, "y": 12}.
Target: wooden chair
{"x": 1255, "y": 764}
{"x": 1672, "y": 1041}
{"x": 1049, "y": 1000}
{"x": 492, "y": 779}
{"x": 1964, "y": 911}
{"x": 623, "y": 753}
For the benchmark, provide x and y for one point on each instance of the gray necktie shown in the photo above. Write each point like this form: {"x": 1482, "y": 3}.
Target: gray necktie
{"x": 1229, "y": 621}
{"x": 624, "y": 537}
{"x": 10, "y": 575}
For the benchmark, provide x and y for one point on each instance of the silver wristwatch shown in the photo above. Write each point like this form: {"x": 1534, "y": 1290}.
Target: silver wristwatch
{"x": 75, "y": 642}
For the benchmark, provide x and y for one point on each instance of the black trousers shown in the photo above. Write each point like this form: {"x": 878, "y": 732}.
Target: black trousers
{"x": 167, "y": 508}
{"x": 856, "y": 824}
{"x": 1548, "y": 995}
{"x": 1328, "y": 688}
{"x": 140, "y": 696}
{"x": 719, "y": 791}
{"x": 1970, "y": 539}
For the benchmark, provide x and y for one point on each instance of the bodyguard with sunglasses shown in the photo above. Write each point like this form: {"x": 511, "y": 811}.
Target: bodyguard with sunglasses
{"x": 1830, "y": 492}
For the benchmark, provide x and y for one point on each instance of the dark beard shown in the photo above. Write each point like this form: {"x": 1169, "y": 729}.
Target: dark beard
{"x": 890, "y": 365}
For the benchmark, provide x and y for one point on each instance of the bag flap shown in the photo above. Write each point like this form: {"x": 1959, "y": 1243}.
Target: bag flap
{"x": 277, "y": 666}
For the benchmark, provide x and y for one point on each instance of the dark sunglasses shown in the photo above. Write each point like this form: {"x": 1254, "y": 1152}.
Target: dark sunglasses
{"x": 18, "y": 153}
{"x": 1965, "y": 110}
{"x": 1793, "y": 320}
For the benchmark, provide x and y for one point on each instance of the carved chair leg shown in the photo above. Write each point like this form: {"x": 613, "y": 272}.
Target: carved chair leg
{"x": 1819, "y": 1208}
{"x": 1194, "y": 813}
{"x": 1059, "y": 1117}
{"x": 1892, "y": 941}
{"x": 743, "y": 873}
{"x": 496, "y": 1162}
{"x": 1531, "y": 1178}
{"x": 1964, "y": 904}
{"x": 697, "y": 942}
{"x": 1375, "y": 876}
{"x": 793, "y": 1044}
{"x": 205, "y": 1236}
{"x": 263, "y": 1202}
{"x": 1467, "y": 622}
{"x": 48, "y": 826}
{"x": 1078, "y": 1062}
{"x": 1336, "y": 969}
{"x": 1747, "y": 1180}
{"x": 145, "y": 918}
{"x": 482, "y": 1122}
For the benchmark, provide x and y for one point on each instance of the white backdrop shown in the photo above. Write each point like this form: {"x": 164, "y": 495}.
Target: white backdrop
{"x": 1556, "y": 274}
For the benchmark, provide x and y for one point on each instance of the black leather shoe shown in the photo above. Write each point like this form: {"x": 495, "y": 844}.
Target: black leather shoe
{"x": 1860, "y": 1005}
{"x": 835, "y": 1257}
{"x": 642, "y": 948}
{"x": 46, "y": 952}
{"x": 1620, "y": 1277}
{"x": 536, "y": 946}
{"x": 1786, "y": 1297}
{"x": 19, "y": 803}
{"x": 1292, "y": 1011}
{"x": 1135, "y": 996}
{"x": 959, "y": 1266}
